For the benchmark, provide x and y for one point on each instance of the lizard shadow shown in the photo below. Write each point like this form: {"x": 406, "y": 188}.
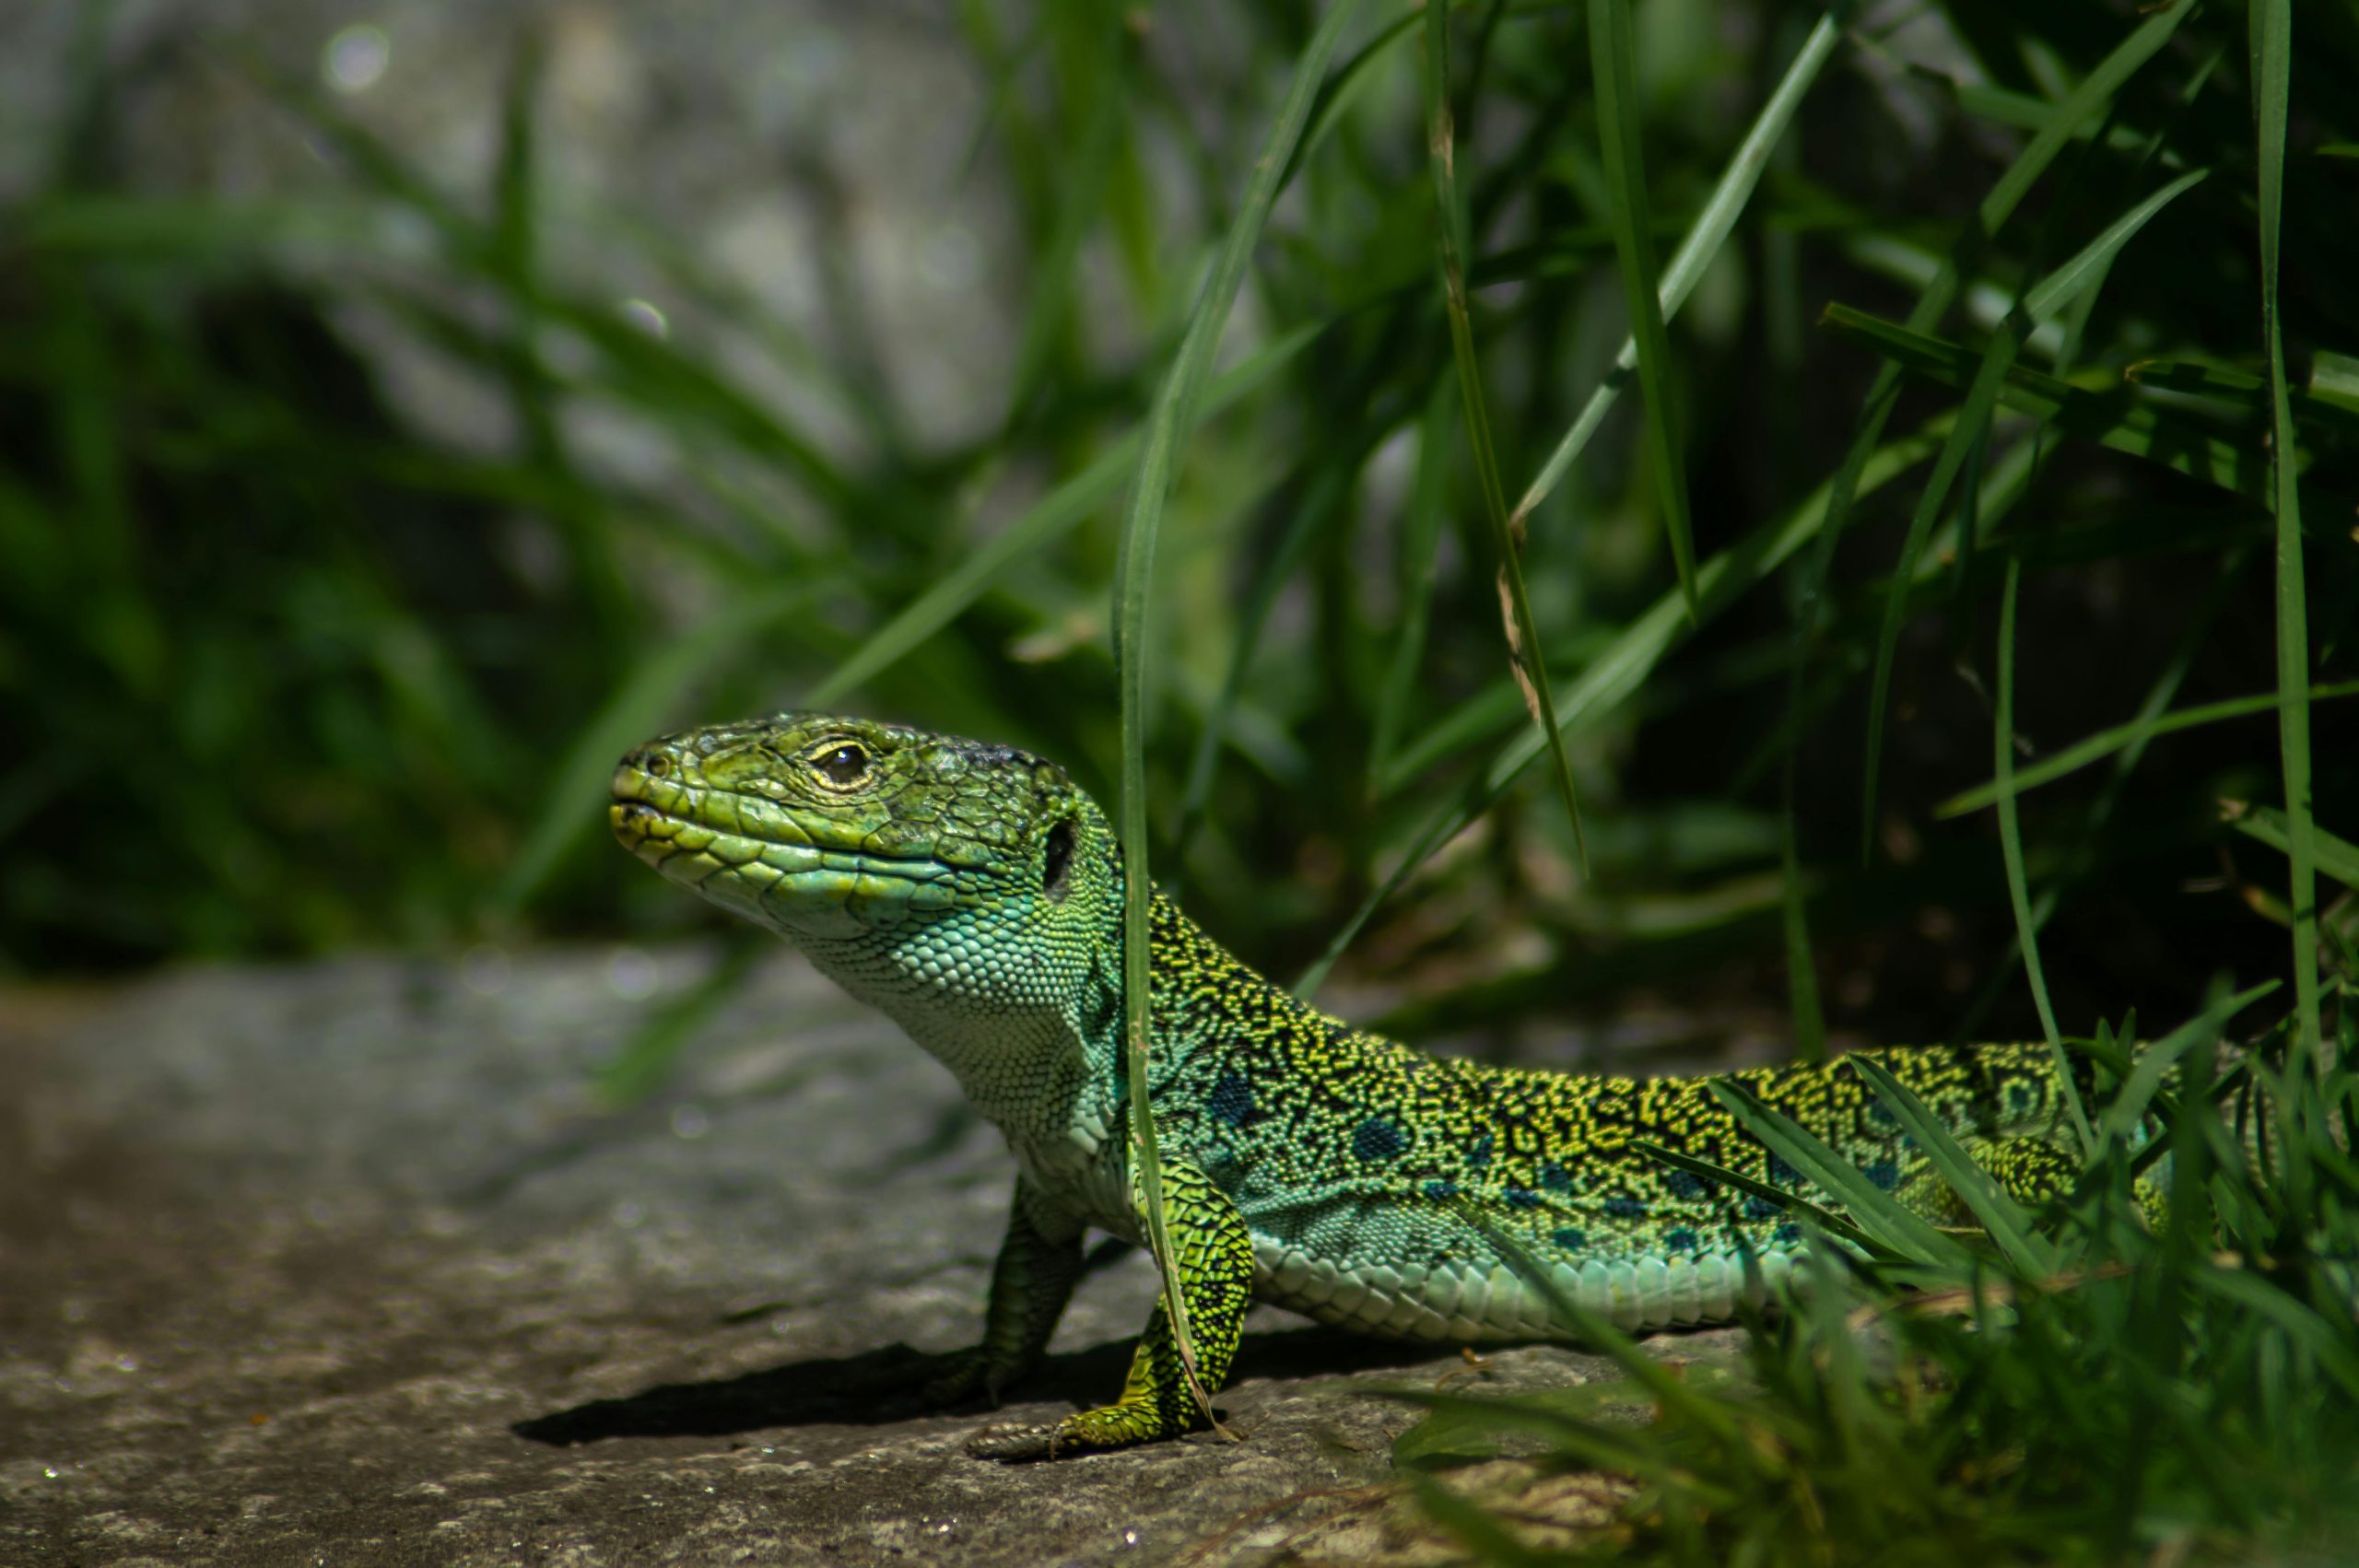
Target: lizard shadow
{"x": 880, "y": 1388}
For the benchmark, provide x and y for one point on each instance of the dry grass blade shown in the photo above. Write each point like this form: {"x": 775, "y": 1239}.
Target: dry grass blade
{"x": 1507, "y": 534}
{"x": 1960, "y": 1300}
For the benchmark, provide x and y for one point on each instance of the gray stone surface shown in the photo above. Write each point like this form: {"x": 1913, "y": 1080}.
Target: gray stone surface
{"x": 341, "y": 1264}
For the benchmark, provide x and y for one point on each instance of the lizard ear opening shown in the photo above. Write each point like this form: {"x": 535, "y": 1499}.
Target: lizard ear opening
{"x": 1056, "y": 862}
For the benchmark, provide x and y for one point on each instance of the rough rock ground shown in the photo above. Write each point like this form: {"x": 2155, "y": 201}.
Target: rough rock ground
{"x": 339, "y": 1264}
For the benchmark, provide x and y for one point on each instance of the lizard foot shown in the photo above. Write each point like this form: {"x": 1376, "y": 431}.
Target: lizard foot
{"x": 1108, "y": 1426}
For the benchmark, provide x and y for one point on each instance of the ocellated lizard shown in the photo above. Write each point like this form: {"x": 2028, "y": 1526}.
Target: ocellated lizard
{"x": 973, "y": 893}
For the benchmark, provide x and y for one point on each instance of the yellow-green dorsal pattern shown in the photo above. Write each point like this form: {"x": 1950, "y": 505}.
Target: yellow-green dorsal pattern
{"x": 971, "y": 892}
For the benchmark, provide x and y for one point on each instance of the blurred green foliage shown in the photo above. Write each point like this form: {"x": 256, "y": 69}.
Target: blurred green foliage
{"x": 281, "y": 672}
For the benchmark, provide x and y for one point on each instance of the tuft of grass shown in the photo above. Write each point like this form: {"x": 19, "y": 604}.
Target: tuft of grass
{"x": 2092, "y": 1387}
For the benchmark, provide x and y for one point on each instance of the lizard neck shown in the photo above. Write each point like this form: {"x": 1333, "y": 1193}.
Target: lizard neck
{"x": 1051, "y": 1074}
{"x": 1040, "y": 1063}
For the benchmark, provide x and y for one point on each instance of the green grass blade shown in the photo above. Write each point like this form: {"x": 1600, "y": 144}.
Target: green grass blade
{"x": 1165, "y": 438}
{"x": 2337, "y": 856}
{"x": 2119, "y": 419}
{"x": 2271, "y": 24}
{"x": 2061, "y": 287}
{"x": 2008, "y": 1225}
{"x": 1491, "y": 712}
{"x": 1872, "y": 1209}
{"x": 2011, "y": 849}
{"x": 2316, "y": 402}
{"x": 2039, "y": 303}
{"x": 2334, "y": 382}
{"x": 515, "y": 228}
{"x": 2153, "y": 1064}
{"x": 1045, "y": 521}
{"x": 1825, "y": 1219}
{"x": 1703, "y": 242}
{"x": 1524, "y": 657}
{"x": 2082, "y": 752}
{"x": 1343, "y": 85}
{"x": 1614, "y": 71}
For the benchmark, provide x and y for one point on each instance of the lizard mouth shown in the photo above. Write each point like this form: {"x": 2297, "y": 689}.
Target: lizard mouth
{"x": 743, "y": 852}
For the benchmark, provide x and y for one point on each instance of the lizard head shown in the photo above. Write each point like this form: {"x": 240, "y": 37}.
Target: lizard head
{"x": 916, "y": 867}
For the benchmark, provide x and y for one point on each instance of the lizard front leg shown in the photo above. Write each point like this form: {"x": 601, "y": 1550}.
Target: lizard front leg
{"x": 1215, "y": 1257}
{"x": 1040, "y": 1260}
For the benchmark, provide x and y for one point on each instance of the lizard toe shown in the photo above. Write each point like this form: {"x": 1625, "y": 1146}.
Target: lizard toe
{"x": 1010, "y": 1443}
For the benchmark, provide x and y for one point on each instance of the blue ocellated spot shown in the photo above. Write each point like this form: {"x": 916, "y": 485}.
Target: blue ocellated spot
{"x": 1441, "y": 1191}
{"x": 1571, "y": 1240}
{"x": 1760, "y": 1208}
{"x": 1522, "y": 1198}
{"x": 2019, "y": 1097}
{"x": 1555, "y": 1177}
{"x": 1679, "y": 1239}
{"x": 1684, "y": 1184}
{"x": 1625, "y": 1208}
{"x": 1378, "y": 1139}
{"x": 1781, "y": 1172}
{"x": 1231, "y": 1100}
{"x": 1787, "y": 1235}
{"x": 1880, "y": 1112}
{"x": 1884, "y": 1172}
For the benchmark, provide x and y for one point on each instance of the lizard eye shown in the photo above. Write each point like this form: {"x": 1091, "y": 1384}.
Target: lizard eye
{"x": 1056, "y": 861}
{"x": 845, "y": 764}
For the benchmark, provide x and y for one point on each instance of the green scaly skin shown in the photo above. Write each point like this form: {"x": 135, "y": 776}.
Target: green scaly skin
{"x": 974, "y": 894}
